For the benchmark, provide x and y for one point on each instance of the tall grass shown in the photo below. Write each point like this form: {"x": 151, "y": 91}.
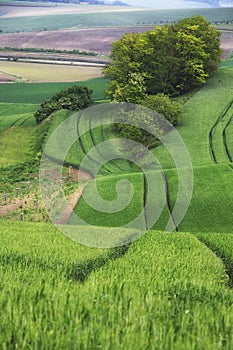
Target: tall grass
{"x": 166, "y": 292}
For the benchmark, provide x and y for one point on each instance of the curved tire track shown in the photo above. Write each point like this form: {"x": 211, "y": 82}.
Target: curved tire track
{"x": 168, "y": 200}
{"x": 212, "y": 131}
{"x": 224, "y": 134}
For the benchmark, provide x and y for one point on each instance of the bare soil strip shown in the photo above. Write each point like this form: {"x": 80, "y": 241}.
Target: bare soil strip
{"x": 6, "y": 78}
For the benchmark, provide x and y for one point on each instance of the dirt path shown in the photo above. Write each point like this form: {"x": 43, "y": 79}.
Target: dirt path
{"x": 27, "y": 201}
{"x": 73, "y": 201}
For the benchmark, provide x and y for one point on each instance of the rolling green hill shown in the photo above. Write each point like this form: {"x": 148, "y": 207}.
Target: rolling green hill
{"x": 164, "y": 291}
{"x": 210, "y": 209}
{"x": 132, "y": 18}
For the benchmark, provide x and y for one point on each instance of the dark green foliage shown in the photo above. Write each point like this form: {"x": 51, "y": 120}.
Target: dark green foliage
{"x": 158, "y": 106}
{"x": 39, "y": 50}
{"x": 13, "y": 174}
{"x": 74, "y": 98}
{"x": 162, "y": 104}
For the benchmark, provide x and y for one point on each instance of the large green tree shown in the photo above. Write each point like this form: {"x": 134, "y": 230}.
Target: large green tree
{"x": 172, "y": 59}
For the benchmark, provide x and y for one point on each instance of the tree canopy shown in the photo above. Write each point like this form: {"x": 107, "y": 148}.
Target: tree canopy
{"x": 171, "y": 59}
{"x": 74, "y": 98}
{"x": 148, "y": 118}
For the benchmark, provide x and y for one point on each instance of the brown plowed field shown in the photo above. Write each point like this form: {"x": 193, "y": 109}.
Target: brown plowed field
{"x": 98, "y": 40}
{"x": 227, "y": 43}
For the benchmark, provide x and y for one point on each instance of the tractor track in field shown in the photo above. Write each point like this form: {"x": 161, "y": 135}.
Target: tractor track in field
{"x": 104, "y": 139}
{"x": 228, "y": 266}
{"x": 81, "y": 143}
{"x": 168, "y": 200}
{"x": 224, "y": 136}
{"x": 95, "y": 144}
{"x": 145, "y": 200}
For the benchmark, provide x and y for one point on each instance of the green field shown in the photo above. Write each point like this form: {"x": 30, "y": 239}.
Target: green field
{"x": 18, "y": 102}
{"x": 38, "y": 92}
{"x": 49, "y": 72}
{"x": 164, "y": 289}
{"x": 132, "y": 18}
{"x": 210, "y": 209}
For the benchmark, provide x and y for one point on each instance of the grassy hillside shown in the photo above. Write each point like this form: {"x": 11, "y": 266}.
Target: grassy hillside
{"x": 210, "y": 209}
{"x": 15, "y": 114}
{"x": 17, "y": 133}
{"x": 18, "y": 102}
{"x": 165, "y": 289}
{"x": 86, "y": 20}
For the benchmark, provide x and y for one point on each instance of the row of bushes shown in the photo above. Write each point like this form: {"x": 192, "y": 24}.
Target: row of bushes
{"x": 34, "y": 49}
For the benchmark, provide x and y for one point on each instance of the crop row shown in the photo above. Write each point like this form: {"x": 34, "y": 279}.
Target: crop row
{"x": 164, "y": 291}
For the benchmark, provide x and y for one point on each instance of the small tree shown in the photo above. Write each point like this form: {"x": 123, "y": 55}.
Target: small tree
{"x": 150, "y": 118}
{"x": 74, "y": 98}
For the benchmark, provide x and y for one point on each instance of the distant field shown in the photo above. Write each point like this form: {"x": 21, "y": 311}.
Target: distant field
{"x": 96, "y": 40}
{"x": 34, "y": 72}
{"x": 6, "y": 78}
{"x": 132, "y": 18}
{"x": 38, "y": 92}
{"x": 17, "y": 132}
{"x": 46, "y": 9}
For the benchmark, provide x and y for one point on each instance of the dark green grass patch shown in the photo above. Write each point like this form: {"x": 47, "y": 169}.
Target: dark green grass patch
{"x": 38, "y": 92}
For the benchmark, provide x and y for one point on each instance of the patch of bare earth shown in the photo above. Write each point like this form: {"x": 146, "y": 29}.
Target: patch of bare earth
{"x": 27, "y": 202}
{"x": 227, "y": 43}
{"x": 98, "y": 40}
{"x": 5, "y": 78}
